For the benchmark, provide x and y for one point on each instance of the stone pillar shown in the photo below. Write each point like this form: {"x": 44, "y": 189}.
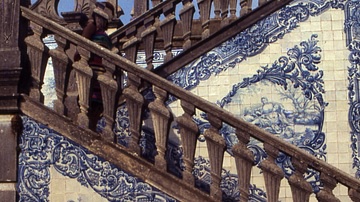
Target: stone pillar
{"x": 8, "y": 156}
{"x": 9, "y": 78}
{"x": 9, "y": 55}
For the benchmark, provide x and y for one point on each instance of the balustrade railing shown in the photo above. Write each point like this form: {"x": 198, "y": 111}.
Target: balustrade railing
{"x": 161, "y": 116}
{"x": 171, "y": 24}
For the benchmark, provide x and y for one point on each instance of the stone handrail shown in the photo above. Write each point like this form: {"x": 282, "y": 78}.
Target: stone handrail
{"x": 170, "y": 24}
{"x": 51, "y": 10}
{"x": 161, "y": 116}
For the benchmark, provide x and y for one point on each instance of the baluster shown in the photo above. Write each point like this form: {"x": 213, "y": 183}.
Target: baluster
{"x": 273, "y": 174}
{"x": 205, "y": 7}
{"x": 148, "y": 37}
{"x": 155, "y": 2}
{"x": 167, "y": 27}
{"x": 134, "y": 103}
{"x": 130, "y": 47}
{"x": 326, "y": 194}
{"x": 71, "y": 99}
{"x": 83, "y": 78}
{"x": 262, "y": 2}
{"x": 216, "y": 147}
{"x": 160, "y": 115}
{"x": 245, "y": 7}
{"x": 224, "y": 12}
{"x": 233, "y": 9}
{"x": 38, "y": 56}
{"x": 244, "y": 159}
{"x": 300, "y": 188}
{"x": 140, "y": 7}
{"x": 354, "y": 195}
{"x": 61, "y": 65}
{"x": 189, "y": 133}
{"x": 186, "y": 16}
{"x": 217, "y": 9}
{"x": 109, "y": 89}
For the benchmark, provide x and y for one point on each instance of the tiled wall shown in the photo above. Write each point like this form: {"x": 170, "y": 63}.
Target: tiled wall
{"x": 317, "y": 46}
{"x": 306, "y": 44}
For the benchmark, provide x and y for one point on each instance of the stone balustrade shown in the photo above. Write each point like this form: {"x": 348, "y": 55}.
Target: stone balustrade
{"x": 115, "y": 65}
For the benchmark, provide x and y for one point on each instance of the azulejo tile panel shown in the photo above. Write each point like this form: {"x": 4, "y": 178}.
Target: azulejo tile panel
{"x": 42, "y": 148}
{"x": 352, "y": 30}
{"x": 297, "y": 77}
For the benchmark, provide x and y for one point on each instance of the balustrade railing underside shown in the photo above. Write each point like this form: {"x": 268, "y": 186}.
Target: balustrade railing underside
{"x": 73, "y": 88}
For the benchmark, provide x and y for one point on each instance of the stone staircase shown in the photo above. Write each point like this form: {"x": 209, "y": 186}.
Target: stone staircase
{"x": 149, "y": 32}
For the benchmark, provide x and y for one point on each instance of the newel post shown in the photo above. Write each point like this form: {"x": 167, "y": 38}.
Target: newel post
{"x": 11, "y": 47}
{"x": 216, "y": 147}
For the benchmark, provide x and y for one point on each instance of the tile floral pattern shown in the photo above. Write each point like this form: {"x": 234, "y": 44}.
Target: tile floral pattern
{"x": 41, "y": 148}
{"x": 296, "y": 114}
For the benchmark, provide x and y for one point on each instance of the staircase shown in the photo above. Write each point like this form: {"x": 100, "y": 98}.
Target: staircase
{"x": 148, "y": 32}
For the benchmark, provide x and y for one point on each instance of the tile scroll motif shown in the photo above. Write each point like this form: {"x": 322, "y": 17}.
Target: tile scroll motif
{"x": 251, "y": 42}
{"x": 297, "y": 78}
{"x": 42, "y": 148}
{"x": 34, "y": 161}
{"x": 352, "y": 31}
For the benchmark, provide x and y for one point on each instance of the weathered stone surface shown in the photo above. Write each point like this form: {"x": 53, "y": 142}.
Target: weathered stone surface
{"x": 9, "y": 55}
{"x": 8, "y": 196}
{"x": 8, "y": 156}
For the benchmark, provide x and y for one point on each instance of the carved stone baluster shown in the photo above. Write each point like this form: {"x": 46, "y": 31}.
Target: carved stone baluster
{"x": 61, "y": 65}
{"x": 300, "y": 188}
{"x": 167, "y": 27}
{"x": 38, "y": 56}
{"x": 224, "y": 12}
{"x": 109, "y": 89}
{"x": 354, "y": 195}
{"x": 233, "y": 9}
{"x": 245, "y": 7}
{"x": 148, "y": 37}
{"x": 216, "y": 147}
{"x": 189, "y": 133}
{"x": 326, "y": 194}
{"x": 155, "y": 2}
{"x": 160, "y": 115}
{"x": 186, "y": 16}
{"x": 134, "y": 103}
{"x": 83, "y": 78}
{"x": 217, "y": 9}
{"x": 205, "y": 7}
{"x": 262, "y": 2}
{"x": 130, "y": 47}
{"x": 272, "y": 173}
{"x": 140, "y": 7}
{"x": 48, "y": 9}
{"x": 244, "y": 159}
